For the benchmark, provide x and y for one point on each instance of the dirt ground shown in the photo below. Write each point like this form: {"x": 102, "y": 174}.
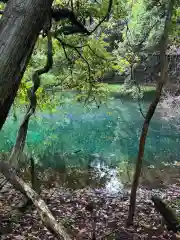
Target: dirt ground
{"x": 71, "y": 207}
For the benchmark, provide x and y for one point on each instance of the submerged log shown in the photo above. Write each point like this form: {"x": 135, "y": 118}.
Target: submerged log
{"x": 46, "y": 216}
{"x": 169, "y": 217}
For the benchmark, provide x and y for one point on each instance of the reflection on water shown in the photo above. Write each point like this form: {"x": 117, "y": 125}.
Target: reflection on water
{"x": 113, "y": 185}
{"x": 70, "y": 136}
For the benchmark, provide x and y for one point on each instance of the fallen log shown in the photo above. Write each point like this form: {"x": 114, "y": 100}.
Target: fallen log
{"x": 169, "y": 217}
{"x": 46, "y": 216}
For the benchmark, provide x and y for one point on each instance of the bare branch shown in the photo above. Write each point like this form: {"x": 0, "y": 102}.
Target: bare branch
{"x": 72, "y": 7}
{"x": 105, "y": 17}
{"x": 68, "y": 30}
{"x": 139, "y": 100}
{"x": 65, "y": 53}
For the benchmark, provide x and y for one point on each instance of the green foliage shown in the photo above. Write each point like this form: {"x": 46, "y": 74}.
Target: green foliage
{"x": 175, "y": 28}
{"x": 79, "y": 61}
{"x": 132, "y": 91}
{"x": 141, "y": 36}
{"x": 146, "y": 24}
{"x": 2, "y": 6}
{"x": 143, "y": 33}
{"x": 125, "y": 172}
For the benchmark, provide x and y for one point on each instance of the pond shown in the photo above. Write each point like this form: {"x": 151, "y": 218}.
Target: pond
{"x": 76, "y": 135}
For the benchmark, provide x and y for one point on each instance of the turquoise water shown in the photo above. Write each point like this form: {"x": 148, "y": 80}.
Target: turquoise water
{"x": 74, "y": 133}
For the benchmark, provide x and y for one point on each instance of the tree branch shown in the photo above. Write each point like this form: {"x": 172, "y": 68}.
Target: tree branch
{"x": 79, "y": 47}
{"x": 76, "y": 50}
{"x": 87, "y": 63}
{"x": 61, "y": 14}
{"x": 78, "y": 27}
{"x": 105, "y": 17}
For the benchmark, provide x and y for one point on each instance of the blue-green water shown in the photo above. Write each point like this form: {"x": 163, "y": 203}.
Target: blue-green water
{"x": 112, "y": 131}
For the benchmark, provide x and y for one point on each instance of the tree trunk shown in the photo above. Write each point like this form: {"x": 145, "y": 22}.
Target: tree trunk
{"x": 19, "y": 29}
{"x": 46, "y": 216}
{"x": 150, "y": 113}
{"x": 140, "y": 156}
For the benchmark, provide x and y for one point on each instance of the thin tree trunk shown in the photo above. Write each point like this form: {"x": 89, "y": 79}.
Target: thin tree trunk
{"x": 46, "y": 216}
{"x": 149, "y": 115}
{"x": 19, "y": 29}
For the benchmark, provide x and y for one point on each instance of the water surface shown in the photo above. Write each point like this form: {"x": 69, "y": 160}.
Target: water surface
{"x": 78, "y": 135}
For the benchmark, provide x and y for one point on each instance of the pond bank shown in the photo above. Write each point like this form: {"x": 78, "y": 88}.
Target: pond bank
{"x": 145, "y": 91}
{"x": 109, "y": 180}
{"x": 69, "y": 195}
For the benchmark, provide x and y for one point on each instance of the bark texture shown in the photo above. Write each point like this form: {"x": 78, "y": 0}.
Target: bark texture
{"x": 150, "y": 113}
{"x": 167, "y": 213}
{"x": 20, "y": 25}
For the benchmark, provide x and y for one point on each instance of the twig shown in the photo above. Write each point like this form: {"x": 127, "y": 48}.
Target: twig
{"x": 139, "y": 100}
{"x": 105, "y": 17}
{"x": 72, "y": 7}
{"x": 78, "y": 47}
{"x": 60, "y": 14}
{"x": 65, "y": 53}
{"x": 87, "y": 63}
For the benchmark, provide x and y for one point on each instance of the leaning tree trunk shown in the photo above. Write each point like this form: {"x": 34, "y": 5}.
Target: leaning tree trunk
{"x": 46, "y": 216}
{"x": 19, "y": 29}
{"x": 150, "y": 113}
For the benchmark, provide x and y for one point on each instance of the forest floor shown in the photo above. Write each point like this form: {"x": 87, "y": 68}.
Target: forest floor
{"x": 71, "y": 208}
